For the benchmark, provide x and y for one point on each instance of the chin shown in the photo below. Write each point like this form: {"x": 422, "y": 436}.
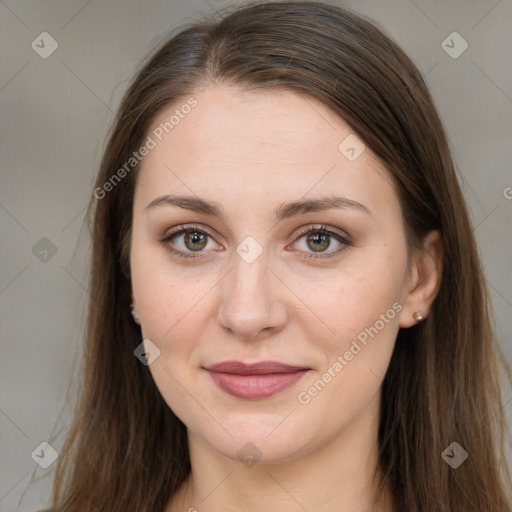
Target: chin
{"x": 252, "y": 442}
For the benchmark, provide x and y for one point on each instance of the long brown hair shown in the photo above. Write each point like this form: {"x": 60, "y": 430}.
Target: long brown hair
{"x": 126, "y": 450}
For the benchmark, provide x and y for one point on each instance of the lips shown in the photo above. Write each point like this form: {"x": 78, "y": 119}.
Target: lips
{"x": 254, "y": 381}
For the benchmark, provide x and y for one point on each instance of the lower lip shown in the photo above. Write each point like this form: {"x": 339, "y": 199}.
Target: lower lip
{"x": 255, "y": 386}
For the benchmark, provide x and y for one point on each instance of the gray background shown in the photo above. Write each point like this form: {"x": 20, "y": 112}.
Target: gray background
{"x": 54, "y": 116}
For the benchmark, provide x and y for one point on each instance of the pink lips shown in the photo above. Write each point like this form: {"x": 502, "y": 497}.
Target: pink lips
{"x": 253, "y": 381}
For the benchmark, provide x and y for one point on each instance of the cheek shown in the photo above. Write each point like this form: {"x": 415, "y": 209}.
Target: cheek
{"x": 173, "y": 313}
{"x": 359, "y": 305}
{"x": 360, "y": 313}
{"x": 168, "y": 296}
{"x": 364, "y": 316}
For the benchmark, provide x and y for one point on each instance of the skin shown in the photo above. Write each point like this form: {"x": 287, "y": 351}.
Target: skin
{"x": 252, "y": 152}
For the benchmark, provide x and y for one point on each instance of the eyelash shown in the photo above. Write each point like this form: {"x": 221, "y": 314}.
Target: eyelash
{"x": 324, "y": 230}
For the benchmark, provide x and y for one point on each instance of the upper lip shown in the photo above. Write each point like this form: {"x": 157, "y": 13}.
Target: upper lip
{"x": 259, "y": 368}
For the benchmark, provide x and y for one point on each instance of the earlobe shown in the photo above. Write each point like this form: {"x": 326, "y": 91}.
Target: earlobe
{"x": 133, "y": 308}
{"x": 425, "y": 280}
{"x": 135, "y": 314}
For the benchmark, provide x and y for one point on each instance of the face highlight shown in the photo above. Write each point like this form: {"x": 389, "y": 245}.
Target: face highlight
{"x": 257, "y": 237}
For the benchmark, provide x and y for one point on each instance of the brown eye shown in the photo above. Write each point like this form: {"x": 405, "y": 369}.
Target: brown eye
{"x": 195, "y": 241}
{"x": 185, "y": 240}
{"x": 319, "y": 240}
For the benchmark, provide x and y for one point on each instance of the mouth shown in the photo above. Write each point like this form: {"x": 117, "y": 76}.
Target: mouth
{"x": 257, "y": 380}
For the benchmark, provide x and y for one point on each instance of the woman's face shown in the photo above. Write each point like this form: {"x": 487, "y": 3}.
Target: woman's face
{"x": 254, "y": 168}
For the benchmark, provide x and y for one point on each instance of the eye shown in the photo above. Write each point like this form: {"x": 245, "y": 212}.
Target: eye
{"x": 193, "y": 239}
{"x": 318, "y": 239}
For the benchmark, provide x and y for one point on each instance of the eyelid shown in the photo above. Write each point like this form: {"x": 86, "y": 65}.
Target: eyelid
{"x": 323, "y": 228}
{"x": 183, "y": 228}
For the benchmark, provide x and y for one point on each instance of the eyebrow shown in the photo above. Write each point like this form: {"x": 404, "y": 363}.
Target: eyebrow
{"x": 284, "y": 211}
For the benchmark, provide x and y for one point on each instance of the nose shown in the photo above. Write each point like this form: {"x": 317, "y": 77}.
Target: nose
{"x": 253, "y": 300}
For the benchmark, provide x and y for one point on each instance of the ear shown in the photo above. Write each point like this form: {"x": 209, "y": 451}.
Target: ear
{"x": 424, "y": 279}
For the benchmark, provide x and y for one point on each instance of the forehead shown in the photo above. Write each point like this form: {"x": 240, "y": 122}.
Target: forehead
{"x": 258, "y": 145}
{"x": 228, "y": 123}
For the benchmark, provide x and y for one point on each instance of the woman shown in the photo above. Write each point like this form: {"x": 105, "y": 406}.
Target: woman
{"x": 287, "y": 306}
